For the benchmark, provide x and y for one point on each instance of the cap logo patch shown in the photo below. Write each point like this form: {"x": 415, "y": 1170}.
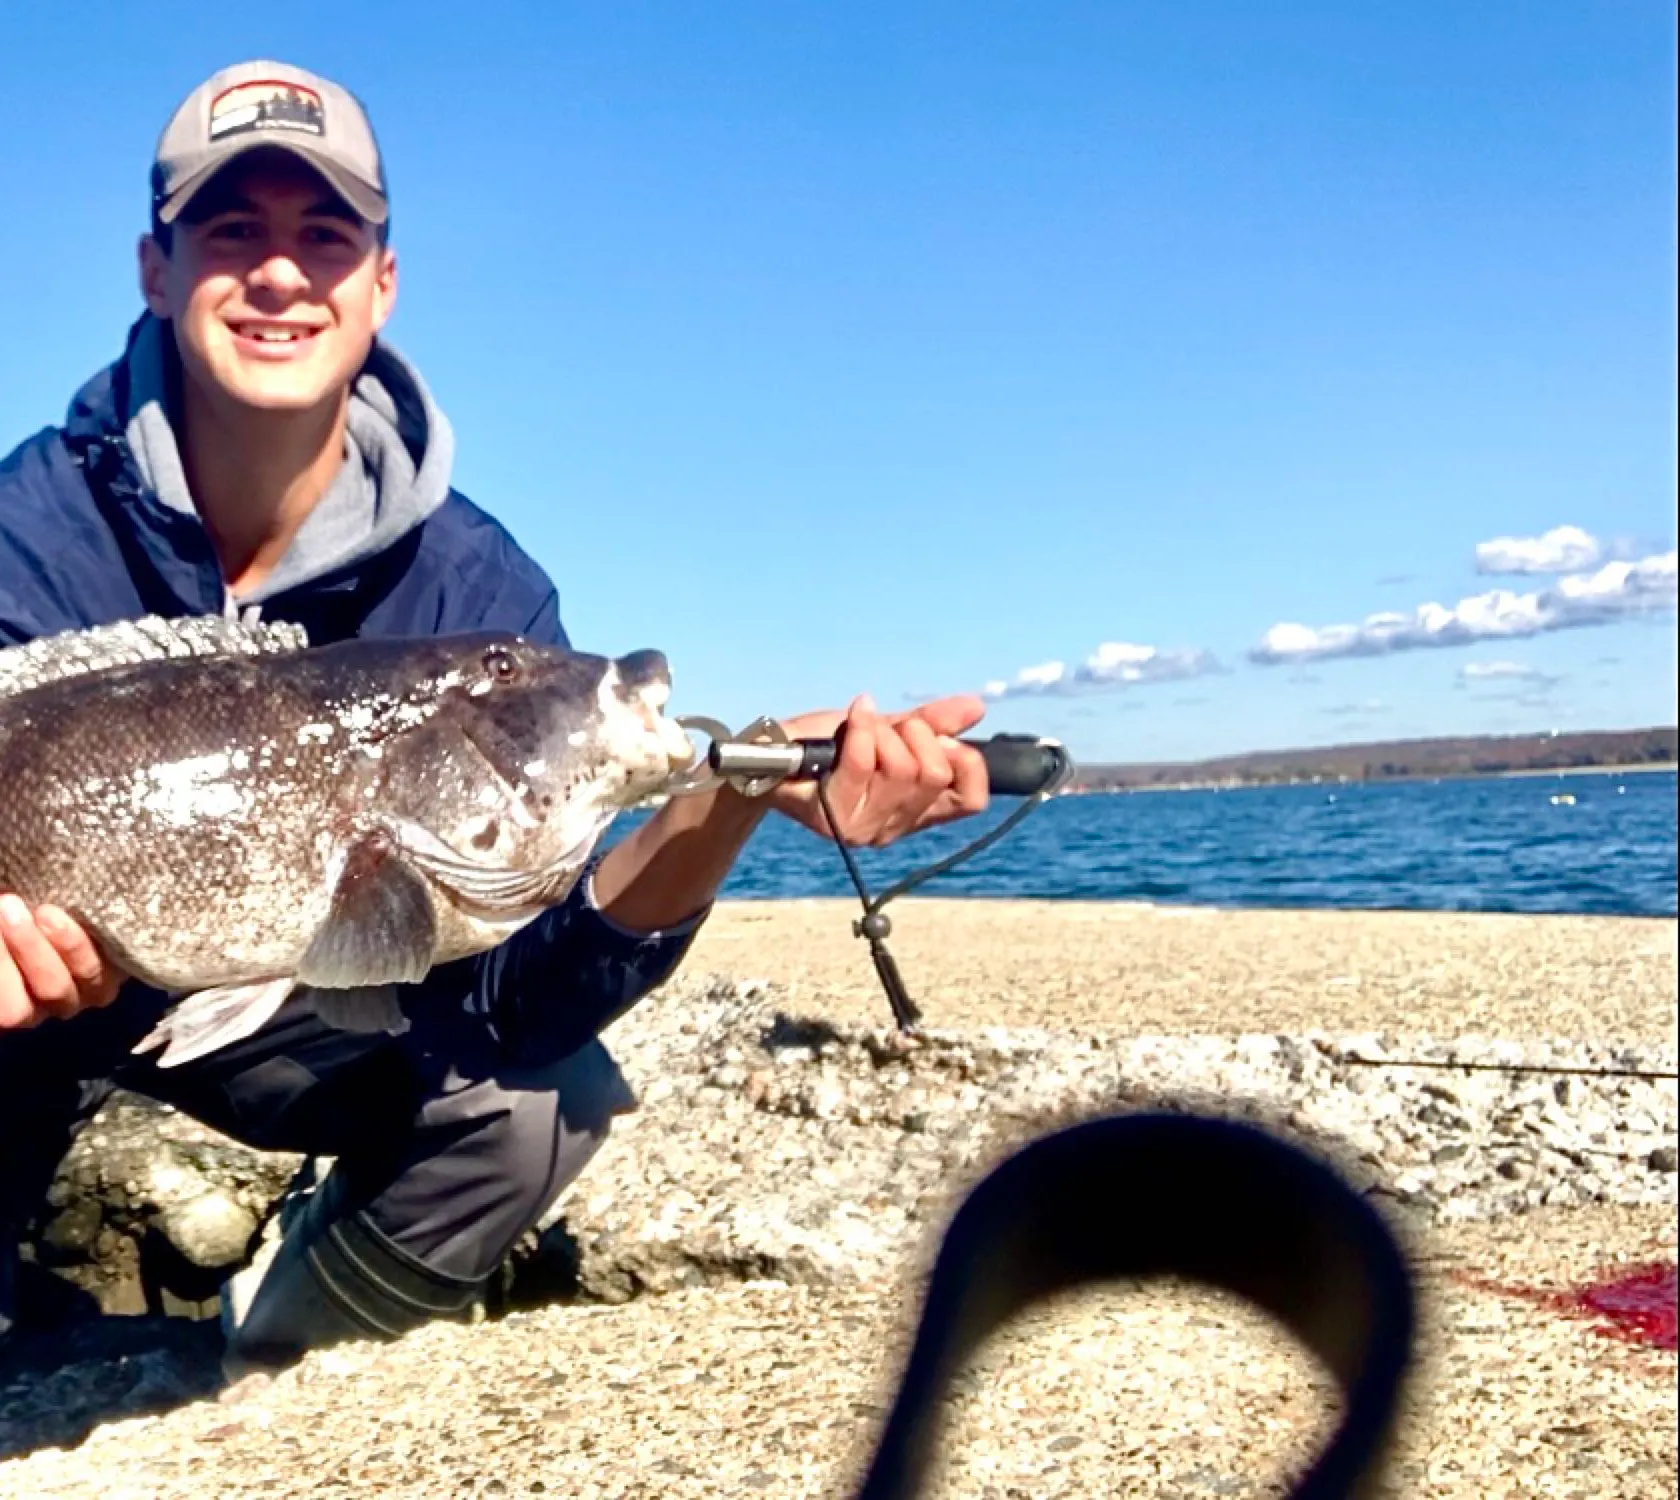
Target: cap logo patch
{"x": 266, "y": 105}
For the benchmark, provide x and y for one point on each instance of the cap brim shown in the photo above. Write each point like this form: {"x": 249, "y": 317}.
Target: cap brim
{"x": 367, "y": 201}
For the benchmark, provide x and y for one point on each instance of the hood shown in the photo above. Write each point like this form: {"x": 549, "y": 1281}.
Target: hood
{"x": 399, "y": 453}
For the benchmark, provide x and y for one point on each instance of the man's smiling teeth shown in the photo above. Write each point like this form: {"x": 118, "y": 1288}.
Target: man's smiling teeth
{"x": 271, "y": 334}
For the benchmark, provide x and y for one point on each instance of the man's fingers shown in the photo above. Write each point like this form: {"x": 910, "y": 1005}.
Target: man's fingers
{"x": 855, "y": 765}
{"x": 896, "y": 796}
{"x": 928, "y": 749}
{"x": 857, "y": 745}
{"x": 84, "y": 961}
{"x": 16, "y": 1008}
{"x": 952, "y": 716}
{"x": 898, "y": 762}
{"x": 971, "y": 787}
{"x": 45, "y": 977}
{"x": 895, "y": 772}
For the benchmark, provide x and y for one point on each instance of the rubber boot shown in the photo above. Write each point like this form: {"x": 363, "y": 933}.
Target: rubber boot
{"x": 333, "y": 1276}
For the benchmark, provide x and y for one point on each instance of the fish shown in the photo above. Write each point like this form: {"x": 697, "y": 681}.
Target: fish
{"x": 245, "y": 820}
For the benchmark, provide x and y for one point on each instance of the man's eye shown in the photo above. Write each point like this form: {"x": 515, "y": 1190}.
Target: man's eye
{"x": 327, "y": 234}
{"x": 232, "y": 230}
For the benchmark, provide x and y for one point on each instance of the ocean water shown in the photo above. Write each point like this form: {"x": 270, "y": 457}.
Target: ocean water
{"x": 1495, "y": 844}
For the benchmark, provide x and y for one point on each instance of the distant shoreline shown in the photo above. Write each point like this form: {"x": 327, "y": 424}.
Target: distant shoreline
{"x": 1240, "y": 785}
{"x": 1583, "y": 752}
{"x": 1632, "y": 770}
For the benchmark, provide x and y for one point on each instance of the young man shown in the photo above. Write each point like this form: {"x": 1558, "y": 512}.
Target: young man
{"x": 257, "y": 449}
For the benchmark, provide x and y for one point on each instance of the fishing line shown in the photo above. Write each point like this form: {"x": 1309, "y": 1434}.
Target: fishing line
{"x": 1649, "y": 1074}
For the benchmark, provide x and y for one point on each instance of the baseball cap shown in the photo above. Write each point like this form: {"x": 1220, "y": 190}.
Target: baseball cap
{"x": 260, "y": 103}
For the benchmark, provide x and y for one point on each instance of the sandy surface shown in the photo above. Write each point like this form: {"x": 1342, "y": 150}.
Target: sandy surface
{"x": 766, "y": 1389}
{"x": 1139, "y": 968}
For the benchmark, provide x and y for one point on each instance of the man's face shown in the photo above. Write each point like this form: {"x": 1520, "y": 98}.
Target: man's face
{"x": 274, "y": 285}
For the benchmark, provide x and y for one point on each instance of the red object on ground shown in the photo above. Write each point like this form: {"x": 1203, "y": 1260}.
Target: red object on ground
{"x": 1638, "y": 1306}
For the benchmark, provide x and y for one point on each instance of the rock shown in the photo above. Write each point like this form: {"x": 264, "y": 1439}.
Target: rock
{"x": 72, "y": 1234}
{"x": 151, "y": 1206}
{"x": 1663, "y": 1159}
{"x": 211, "y": 1230}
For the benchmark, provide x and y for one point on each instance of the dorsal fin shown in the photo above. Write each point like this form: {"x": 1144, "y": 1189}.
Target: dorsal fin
{"x": 75, "y": 653}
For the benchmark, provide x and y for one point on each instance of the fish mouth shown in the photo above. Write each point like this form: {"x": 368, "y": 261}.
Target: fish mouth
{"x": 641, "y": 682}
{"x": 670, "y": 737}
{"x": 642, "y": 671}
{"x": 679, "y": 749}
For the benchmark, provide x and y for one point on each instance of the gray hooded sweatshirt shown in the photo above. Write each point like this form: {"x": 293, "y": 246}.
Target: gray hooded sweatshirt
{"x": 398, "y": 453}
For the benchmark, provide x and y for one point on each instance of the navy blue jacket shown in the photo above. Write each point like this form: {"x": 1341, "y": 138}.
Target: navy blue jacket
{"x": 82, "y": 543}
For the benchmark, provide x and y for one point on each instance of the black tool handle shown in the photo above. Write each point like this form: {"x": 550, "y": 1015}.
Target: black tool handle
{"x": 1017, "y": 765}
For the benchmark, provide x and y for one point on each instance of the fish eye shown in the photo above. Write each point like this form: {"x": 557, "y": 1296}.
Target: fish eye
{"x": 501, "y": 664}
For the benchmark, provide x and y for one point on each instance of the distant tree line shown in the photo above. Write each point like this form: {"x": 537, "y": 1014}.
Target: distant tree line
{"x": 1399, "y": 760}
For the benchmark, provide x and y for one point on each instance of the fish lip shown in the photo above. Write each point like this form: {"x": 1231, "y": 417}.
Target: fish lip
{"x": 671, "y": 735}
{"x": 644, "y": 675}
{"x": 637, "y": 687}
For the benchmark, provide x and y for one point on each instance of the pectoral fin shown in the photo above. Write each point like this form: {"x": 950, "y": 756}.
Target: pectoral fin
{"x": 382, "y": 927}
{"x": 209, "y": 1019}
{"x": 380, "y": 931}
{"x": 369, "y": 1008}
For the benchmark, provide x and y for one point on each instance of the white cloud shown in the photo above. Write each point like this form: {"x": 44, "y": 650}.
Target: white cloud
{"x": 1503, "y": 671}
{"x": 1040, "y": 679}
{"x": 1112, "y": 664}
{"x": 1563, "y": 549}
{"x": 1618, "y": 590}
{"x": 1477, "y": 670}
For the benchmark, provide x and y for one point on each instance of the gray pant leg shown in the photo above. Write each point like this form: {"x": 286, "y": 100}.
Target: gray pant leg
{"x": 488, "y": 1157}
{"x": 395, "y": 1239}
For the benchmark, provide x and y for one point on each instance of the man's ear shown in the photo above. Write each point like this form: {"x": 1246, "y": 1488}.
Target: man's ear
{"x": 384, "y": 286}
{"x": 154, "y": 269}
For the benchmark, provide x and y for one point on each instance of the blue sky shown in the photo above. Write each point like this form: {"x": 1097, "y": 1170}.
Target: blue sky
{"x": 904, "y": 348}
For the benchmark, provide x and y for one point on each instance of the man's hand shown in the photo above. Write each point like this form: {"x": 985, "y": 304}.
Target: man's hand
{"x": 896, "y": 773}
{"x": 49, "y": 967}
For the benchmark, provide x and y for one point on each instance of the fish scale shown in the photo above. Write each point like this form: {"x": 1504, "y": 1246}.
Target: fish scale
{"x": 235, "y": 815}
